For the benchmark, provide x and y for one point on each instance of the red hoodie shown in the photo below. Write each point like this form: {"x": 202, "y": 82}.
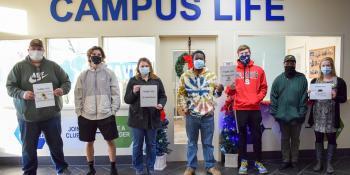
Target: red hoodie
{"x": 251, "y": 87}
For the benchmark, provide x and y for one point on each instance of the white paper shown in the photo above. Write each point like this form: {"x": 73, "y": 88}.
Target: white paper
{"x": 148, "y": 95}
{"x": 321, "y": 91}
{"x": 44, "y": 96}
{"x": 227, "y": 74}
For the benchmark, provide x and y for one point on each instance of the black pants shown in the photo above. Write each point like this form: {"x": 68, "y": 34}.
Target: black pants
{"x": 252, "y": 119}
{"x": 331, "y": 137}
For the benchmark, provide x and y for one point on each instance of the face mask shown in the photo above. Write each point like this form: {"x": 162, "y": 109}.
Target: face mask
{"x": 144, "y": 70}
{"x": 289, "y": 71}
{"x": 36, "y": 55}
{"x": 96, "y": 59}
{"x": 245, "y": 59}
{"x": 199, "y": 64}
{"x": 326, "y": 70}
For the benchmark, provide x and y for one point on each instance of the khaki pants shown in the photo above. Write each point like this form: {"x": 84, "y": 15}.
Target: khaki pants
{"x": 290, "y": 142}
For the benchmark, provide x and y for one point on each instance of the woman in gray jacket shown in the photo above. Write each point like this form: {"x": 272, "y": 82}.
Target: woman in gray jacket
{"x": 96, "y": 102}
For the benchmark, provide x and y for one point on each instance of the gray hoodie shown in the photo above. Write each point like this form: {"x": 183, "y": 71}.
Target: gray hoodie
{"x": 97, "y": 93}
{"x": 22, "y": 77}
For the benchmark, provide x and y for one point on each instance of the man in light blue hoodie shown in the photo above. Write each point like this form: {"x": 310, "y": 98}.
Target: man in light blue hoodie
{"x": 36, "y": 69}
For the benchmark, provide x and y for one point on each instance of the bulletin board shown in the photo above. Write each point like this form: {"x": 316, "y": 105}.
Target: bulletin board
{"x": 316, "y": 55}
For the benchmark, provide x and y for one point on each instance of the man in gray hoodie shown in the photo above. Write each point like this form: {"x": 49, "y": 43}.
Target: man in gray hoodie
{"x": 36, "y": 69}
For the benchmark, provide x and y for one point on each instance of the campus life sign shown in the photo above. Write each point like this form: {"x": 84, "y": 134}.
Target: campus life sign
{"x": 116, "y": 10}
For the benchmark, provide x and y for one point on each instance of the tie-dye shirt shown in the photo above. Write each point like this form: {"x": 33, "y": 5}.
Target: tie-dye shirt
{"x": 196, "y": 92}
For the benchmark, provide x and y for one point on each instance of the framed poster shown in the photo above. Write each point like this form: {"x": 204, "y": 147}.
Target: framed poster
{"x": 316, "y": 55}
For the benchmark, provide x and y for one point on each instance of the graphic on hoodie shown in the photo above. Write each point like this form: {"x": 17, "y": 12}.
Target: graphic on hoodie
{"x": 37, "y": 76}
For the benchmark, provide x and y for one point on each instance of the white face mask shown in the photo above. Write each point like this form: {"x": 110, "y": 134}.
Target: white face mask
{"x": 36, "y": 55}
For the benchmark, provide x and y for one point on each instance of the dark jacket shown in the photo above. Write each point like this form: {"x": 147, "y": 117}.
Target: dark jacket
{"x": 288, "y": 98}
{"x": 144, "y": 117}
{"x": 341, "y": 97}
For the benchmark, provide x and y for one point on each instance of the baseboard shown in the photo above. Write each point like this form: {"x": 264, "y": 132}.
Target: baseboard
{"x": 126, "y": 160}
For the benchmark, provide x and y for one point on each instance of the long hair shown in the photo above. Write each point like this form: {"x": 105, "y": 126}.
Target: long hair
{"x": 333, "y": 73}
{"x": 152, "y": 75}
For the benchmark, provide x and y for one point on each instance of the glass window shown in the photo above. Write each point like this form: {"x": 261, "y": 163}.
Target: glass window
{"x": 70, "y": 54}
{"x": 122, "y": 54}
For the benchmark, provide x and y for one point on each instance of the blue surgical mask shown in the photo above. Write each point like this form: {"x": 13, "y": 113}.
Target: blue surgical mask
{"x": 326, "y": 70}
{"x": 199, "y": 64}
{"x": 144, "y": 70}
{"x": 245, "y": 59}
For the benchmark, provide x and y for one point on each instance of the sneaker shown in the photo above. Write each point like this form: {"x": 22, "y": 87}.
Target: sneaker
{"x": 189, "y": 171}
{"x": 65, "y": 172}
{"x": 139, "y": 173}
{"x": 243, "y": 169}
{"x": 285, "y": 165}
{"x": 260, "y": 167}
{"x": 214, "y": 171}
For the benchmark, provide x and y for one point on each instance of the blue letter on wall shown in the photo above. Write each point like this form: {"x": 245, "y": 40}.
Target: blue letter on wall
{"x": 195, "y": 8}
{"x": 172, "y": 10}
{"x": 249, "y": 8}
{"x": 218, "y": 15}
{"x": 136, "y": 8}
{"x": 269, "y": 8}
{"x": 92, "y": 10}
{"x": 107, "y": 6}
{"x": 53, "y": 10}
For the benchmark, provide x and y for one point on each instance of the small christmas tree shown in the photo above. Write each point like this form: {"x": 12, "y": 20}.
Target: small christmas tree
{"x": 229, "y": 134}
{"x": 162, "y": 140}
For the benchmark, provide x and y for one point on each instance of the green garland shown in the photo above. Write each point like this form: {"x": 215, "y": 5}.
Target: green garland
{"x": 179, "y": 65}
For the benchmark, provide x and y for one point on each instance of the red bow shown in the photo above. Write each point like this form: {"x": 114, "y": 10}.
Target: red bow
{"x": 188, "y": 60}
{"x": 162, "y": 115}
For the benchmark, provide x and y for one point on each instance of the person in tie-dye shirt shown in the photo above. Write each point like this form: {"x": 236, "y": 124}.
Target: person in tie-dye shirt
{"x": 196, "y": 94}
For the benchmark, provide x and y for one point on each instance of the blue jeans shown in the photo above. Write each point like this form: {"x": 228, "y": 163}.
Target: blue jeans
{"x": 138, "y": 136}
{"x": 206, "y": 126}
{"x": 30, "y": 133}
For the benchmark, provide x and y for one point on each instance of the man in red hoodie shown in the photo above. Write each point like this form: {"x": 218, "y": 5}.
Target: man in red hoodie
{"x": 248, "y": 90}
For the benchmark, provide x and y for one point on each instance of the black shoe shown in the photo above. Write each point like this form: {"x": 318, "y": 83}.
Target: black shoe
{"x": 114, "y": 171}
{"x": 295, "y": 167}
{"x": 285, "y": 165}
{"x": 91, "y": 172}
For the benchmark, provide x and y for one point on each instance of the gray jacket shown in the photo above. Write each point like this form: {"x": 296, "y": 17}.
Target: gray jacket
{"x": 97, "y": 93}
{"x": 22, "y": 77}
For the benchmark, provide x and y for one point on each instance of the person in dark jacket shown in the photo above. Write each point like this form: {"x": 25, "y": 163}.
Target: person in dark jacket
{"x": 288, "y": 106}
{"x": 144, "y": 121}
{"x": 35, "y": 69}
{"x": 325, "y": 114}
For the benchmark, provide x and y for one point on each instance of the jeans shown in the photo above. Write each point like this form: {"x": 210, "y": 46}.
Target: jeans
{"x": 138, "y": 136}
{"x": 252, "y": 119}
{"x": 30, "y": 133}
{"x": 206, "y": 126}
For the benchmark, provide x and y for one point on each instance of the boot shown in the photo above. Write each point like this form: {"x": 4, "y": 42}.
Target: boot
{"x": 330, "y": 154}
{"x": 319, "y": 152}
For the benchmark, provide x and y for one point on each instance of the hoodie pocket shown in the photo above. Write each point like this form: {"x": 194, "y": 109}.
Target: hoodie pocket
{"x": 90, "y": 105}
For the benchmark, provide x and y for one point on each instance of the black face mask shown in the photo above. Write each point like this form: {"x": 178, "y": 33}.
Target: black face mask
{"x": 96, "y": 59}
{"x": 289, "y": 71}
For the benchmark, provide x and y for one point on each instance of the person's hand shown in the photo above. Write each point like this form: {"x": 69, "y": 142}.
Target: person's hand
{"x": 58, "y": 92}
{"x": 219, "y": 88}
{"x": 136, "y": 89}
{"x": 28, "y": 95}
{"x": 159, "y": 106}
{"x": 309, "y": 91}
{"x": 334, "y": 94}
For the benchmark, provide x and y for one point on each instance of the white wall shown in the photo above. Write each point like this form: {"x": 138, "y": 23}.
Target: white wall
{"x": 303, "y": 18}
